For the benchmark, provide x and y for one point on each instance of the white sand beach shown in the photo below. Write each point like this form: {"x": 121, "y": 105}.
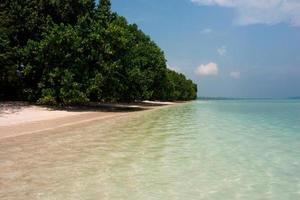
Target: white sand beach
{"x": 19, "y": 118}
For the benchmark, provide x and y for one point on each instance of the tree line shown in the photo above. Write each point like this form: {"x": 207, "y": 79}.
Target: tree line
{"x": 76, "y": 51}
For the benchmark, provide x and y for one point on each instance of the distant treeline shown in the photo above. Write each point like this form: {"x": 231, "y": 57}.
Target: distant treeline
{"x": 74, "y": 51}
{"x": 246, "y": 98}
{"x": 294, "y": 98}
{"x": 225, "y": 98}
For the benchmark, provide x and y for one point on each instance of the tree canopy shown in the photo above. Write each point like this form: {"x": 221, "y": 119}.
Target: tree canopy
{"x": 74, "y": 51}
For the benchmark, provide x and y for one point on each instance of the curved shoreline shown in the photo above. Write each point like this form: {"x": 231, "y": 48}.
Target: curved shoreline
{"x": 60, "y": 119}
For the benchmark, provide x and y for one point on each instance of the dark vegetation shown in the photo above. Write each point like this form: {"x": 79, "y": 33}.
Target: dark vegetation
{"x": 73, "y": 51}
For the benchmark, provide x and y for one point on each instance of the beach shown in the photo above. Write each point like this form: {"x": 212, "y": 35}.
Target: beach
{"x": 20, "y": 118}
{"x": 212, "y": 150}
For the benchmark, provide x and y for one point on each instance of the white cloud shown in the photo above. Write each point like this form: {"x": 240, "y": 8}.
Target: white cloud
{"x": 214, "y": 2}
{"x": 235, "y": 74}
{"x": 206, "y": 31}
{"x": 174, "y": 68}
{"x": 210, "y": 69}
{"x": 222, "y": 50}
{"x": 260, "y": 11}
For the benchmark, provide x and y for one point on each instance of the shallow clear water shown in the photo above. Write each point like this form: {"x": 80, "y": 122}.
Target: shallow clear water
{"x": 200, "y": 150}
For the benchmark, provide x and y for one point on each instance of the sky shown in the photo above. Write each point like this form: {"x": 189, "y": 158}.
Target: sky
{"x": 230, "y": 48}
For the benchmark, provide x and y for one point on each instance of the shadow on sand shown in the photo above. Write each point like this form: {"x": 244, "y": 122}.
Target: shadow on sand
{"x": 112, "y": 107}
{"x": 15, "y": 107}
{"x": 10, "y": 107}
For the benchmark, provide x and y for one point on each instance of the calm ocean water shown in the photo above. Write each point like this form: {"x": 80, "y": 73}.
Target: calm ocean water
{"x": 214, "y": 150}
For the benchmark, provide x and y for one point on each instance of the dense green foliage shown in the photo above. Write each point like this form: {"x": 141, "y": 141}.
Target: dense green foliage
{"x": 74, "y": 51}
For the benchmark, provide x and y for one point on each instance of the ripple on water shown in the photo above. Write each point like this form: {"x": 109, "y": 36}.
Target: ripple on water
{"x": 200, "y": 150}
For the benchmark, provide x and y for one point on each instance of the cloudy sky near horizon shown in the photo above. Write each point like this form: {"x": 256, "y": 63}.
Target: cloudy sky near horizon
{"x": 231, "y": 48}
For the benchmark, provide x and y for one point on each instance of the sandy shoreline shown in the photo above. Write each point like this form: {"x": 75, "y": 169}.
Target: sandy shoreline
{"x": 18, "y": 118}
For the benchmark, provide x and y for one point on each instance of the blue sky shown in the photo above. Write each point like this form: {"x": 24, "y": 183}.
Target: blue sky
{"x": 231, "y": 48}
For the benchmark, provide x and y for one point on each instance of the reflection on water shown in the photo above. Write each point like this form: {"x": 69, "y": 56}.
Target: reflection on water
{"x": 201, "y": 150}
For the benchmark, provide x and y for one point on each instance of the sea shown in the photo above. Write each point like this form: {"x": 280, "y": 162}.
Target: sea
{"x": 210, "y": 150}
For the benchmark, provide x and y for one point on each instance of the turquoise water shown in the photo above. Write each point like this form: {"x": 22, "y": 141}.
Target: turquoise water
{"x": 200, "y": 150}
